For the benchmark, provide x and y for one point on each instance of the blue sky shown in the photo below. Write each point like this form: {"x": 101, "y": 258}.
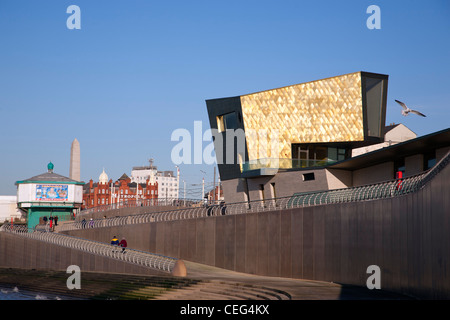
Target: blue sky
{"x": 138, "y": 70}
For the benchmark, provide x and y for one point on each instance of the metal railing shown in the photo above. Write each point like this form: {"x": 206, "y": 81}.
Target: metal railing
{"x": 375, "y": 191}
{"x": 150, "y": 260}
{"x": 284, "y": 163}
{"x": 132, "y": 203}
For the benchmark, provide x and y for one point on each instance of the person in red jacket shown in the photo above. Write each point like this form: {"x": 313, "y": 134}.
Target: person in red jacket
{"x": 123, "y": 244}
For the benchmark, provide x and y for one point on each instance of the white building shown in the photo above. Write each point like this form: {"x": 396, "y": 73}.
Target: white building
{"x": 393, "y": 134}
{"x": 8, "y": 208}
{"x": 168, "y": 183}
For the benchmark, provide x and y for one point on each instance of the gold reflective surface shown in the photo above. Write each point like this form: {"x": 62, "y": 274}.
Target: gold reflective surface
{"x": 328, "y": 110}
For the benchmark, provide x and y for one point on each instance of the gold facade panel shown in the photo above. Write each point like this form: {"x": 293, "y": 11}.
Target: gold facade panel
{"x": 328, "y": 110}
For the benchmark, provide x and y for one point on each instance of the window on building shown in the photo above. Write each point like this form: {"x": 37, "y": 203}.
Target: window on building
{"x": 226, "y": 121}
{"x": 308, "y": 176}
{"x": 429, "y": 160}
{"x": 399, "y": 168}
{"x": 261, "y": 192}
{"x": 374, "y": 100}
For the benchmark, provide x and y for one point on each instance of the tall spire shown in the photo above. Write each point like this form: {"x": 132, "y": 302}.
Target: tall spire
{"x": 75, "y": 161}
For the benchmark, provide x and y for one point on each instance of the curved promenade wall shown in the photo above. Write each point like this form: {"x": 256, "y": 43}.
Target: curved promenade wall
{"x": 408, "y": 237}
{"x": 24, "y": 253}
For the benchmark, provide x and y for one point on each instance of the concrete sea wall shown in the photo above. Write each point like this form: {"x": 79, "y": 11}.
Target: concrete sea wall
{"x": 408, "y": 237}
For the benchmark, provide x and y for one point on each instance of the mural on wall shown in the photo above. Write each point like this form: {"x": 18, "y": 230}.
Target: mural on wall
{"x": 52, "y": 192}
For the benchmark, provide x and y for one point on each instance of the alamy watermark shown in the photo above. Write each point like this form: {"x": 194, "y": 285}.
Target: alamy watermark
{"x": 74, "y": 281}
{"x": 374, "y": 21}
{"x": 74, "y": 20}
{"x": 374, "y": 280}
{"x": 223, "y": 147}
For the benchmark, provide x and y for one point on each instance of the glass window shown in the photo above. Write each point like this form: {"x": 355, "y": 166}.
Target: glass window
{"x": 374, "y": 100}
{"x": 226, "y": 121}
{"x": 429, "y": 160}
{"x": 332, "y": 154}
{"x": 341, "y": 154}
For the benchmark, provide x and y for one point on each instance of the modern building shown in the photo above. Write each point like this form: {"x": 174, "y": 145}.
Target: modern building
{"x": 122, "y": 191}
{"x": 314, "y": 136}
{"x": 168, "y": 183}
{"x": 48, "y": 195}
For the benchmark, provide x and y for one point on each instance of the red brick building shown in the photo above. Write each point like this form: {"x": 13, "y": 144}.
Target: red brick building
{"x": 213, "y": 194}
{"x": 106, "y": 192}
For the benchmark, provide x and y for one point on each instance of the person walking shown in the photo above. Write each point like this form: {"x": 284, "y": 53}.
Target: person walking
{"x": 123, "y": 244}
{"x": 114, "y": 242}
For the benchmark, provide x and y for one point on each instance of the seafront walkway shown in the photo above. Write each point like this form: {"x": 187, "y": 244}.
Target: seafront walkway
{"x": 201, "y": 283}
{"x": 378, "y": 191}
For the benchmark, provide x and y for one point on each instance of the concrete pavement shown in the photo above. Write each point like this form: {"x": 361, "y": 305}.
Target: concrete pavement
{"x": 296, "y": 288}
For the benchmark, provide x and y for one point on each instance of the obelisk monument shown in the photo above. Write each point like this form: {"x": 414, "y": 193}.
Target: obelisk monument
{"x": 75, "y": 161}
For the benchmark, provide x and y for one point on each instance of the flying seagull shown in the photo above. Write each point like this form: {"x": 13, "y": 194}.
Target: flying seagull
{"x": 407, "y": 110}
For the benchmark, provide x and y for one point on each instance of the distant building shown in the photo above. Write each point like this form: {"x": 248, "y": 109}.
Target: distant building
{"x": 168, "y": 183}
{"x": 49, "y": 195}
{"x": 393, "y": 134}
{"x": 122, "y": 191}
{"x": 8, "y": 208}
{"x": 214, "y": 195}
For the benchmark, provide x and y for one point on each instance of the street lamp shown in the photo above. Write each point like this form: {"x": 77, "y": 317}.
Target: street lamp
{"x": 184, "y": 192}
{"x": 203, "y": 187}
{"x": 178, "y": 182}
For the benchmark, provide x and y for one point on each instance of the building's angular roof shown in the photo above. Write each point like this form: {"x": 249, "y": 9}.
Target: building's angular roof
{"x": 124, "y": 177}
{"x": 50, "y": 177}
